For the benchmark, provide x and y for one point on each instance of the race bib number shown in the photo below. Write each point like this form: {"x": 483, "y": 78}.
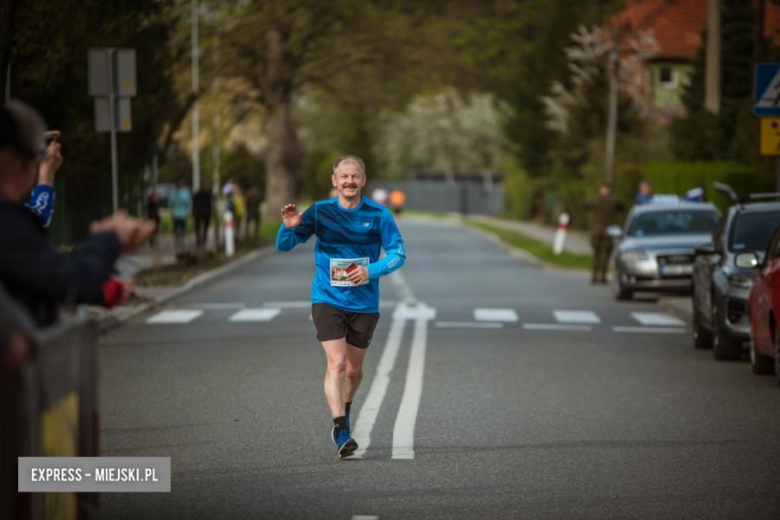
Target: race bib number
{"x": 340, "y": 269}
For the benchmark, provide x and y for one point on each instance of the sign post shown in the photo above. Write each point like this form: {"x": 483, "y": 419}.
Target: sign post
{"x": 112, "y": 83}
{"x": 766, "y": 105}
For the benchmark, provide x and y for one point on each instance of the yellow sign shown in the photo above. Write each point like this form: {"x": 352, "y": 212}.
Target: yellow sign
{"x": 770, "y": 136}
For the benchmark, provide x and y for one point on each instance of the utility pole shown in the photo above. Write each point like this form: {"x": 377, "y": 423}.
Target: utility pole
{"x": 712, "y": 67}
{"x": 195, "y": 106}
{"x": 613, "y": 67}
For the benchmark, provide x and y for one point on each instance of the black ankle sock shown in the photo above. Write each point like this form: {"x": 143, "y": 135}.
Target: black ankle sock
{"x": 348, "y": 407}
{"x": 340, "y": 423}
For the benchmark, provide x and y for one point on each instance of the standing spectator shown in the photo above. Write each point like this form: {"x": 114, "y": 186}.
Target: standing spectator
{"x": 201, "y": 209}
{"x": 397, "y": 201}
{"x": 605, "y": 208}
{"x": 239, "y": 203}
{"x": 36, "y": 274}
{"x": 153, "y": 213}
{"x": 180, "y": 203}
{"x": 253, "y": 219}
{"x": 644, "y": 193}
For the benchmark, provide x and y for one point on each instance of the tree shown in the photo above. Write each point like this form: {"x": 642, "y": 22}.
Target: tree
{"x": 445, "y": 132}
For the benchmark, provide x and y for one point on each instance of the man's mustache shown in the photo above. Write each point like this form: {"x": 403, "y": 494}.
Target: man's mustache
{"x": 350, "y": 186}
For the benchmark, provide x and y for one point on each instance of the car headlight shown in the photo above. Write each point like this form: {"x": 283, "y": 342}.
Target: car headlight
{"x": 634, "y": 256}
{"x": 741, "y": 282}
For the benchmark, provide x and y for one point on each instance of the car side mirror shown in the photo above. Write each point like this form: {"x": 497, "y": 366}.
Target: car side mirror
{"x": 706, "y": 249}
{"x": 747, "y": 260}
{"x": 614, "y": 232}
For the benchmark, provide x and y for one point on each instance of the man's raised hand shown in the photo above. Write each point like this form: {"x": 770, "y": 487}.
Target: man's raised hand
{"x": 291, "y": 216}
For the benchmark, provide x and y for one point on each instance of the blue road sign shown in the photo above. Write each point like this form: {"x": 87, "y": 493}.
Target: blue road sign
{"x": 767, "y": 95}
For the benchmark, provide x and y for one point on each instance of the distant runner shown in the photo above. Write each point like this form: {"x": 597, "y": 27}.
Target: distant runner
{"x": 351, "y": 231}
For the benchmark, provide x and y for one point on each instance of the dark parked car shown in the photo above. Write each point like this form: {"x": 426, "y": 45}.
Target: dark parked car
{"x": 723, "y": 276}
{"x": 764, "y": 304}
{"x": 656, "y": 251}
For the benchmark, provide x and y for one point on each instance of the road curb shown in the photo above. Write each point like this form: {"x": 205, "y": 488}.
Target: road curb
{"x": 110, "y": 321}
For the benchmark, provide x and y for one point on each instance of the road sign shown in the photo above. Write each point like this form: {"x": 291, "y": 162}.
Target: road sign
{"x": 770, "y": 136}
{"x": 125, "y": 72}
{"x": 767, "y": 94}
{"x": 112, "y": 83}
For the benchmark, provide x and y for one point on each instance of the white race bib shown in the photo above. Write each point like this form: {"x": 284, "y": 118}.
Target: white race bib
{"x": 341, "y": 267}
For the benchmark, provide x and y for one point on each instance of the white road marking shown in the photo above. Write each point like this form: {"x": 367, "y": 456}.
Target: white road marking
{"x": 255, "y": 315}
{"x": 217, "y": 306}
{"x": 376, "y": 394}
{"x": 174, "y": 316}
{"x": 468, "y": 325}
{"x": 650, "y": 330}
{"x": 556, "y": 326}
{"x": 657, "y": 318}
{"x": 576, "y": 317}
{"x": 365, "y": 517}
{"x": 398, "y": 279}
{"x": 404, "y": 311}
{"x": 405, "y": 421}
{"x": 506, "y": 315}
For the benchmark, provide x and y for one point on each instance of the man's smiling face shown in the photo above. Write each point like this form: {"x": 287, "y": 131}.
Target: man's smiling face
{"x": 349, "y": 180}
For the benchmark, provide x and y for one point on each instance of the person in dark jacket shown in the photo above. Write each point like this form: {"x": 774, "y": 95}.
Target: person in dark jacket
{"x": 31, "y": 269}
{"x": 201, "y": 210}
{"x": 605, "y": 209}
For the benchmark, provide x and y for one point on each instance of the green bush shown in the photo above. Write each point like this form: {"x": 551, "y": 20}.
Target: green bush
{"x": 678, "y": 177}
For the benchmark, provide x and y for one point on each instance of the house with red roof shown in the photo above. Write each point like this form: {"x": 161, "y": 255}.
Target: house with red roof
{"x": 676, "y": 26}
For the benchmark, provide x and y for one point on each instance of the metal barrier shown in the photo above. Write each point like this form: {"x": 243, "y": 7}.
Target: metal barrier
{"x": 48, "y": 408}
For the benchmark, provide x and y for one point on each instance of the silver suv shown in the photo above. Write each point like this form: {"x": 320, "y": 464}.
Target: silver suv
{"x": 657, "y": 246}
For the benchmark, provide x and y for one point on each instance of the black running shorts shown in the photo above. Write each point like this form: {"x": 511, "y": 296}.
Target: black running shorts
{"x": 333, "y": 323}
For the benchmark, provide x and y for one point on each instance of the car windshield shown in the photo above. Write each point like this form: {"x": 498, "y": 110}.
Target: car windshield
{"x": 673, "y": 222}
{"x": 752, "y": 231}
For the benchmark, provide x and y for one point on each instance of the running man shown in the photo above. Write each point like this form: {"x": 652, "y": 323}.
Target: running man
{"x": 351, "y": 231}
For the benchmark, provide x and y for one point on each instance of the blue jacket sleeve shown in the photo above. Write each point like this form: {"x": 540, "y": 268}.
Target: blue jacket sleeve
{"x": 393, "y": 244}
{"x": 286, "y": 239}
{"x": 41, "y": 202}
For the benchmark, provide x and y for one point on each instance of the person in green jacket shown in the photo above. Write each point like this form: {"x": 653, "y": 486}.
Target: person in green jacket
{"x": 180, "y": 203}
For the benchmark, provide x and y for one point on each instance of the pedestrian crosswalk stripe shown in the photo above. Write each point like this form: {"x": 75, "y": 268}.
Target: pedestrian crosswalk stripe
{"x": 657, "y": 318}
{"x": 174, "y": 316}
{"x": 255, "y": 315}
{"x": 485, "y": 314}
{"x": 576, "y": 317}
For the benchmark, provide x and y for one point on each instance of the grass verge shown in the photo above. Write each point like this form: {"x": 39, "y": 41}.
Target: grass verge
{"x": 537, "y": 248}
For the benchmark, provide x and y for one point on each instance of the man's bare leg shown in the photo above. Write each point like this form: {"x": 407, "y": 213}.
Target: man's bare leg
{"x": 354, "y": 375}
{"x": 335, "y": 375}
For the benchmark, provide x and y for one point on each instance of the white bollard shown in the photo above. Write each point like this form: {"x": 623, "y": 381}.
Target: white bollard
{"x": 229, "y": 244}
{"x": 560, "y": 235}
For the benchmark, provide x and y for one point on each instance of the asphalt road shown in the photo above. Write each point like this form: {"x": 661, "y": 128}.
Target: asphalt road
{"x": 492, "y": 390}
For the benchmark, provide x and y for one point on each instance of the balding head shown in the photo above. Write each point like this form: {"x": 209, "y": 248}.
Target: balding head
{"x": 22, "y": 130}
{"x": 21, "y": 145}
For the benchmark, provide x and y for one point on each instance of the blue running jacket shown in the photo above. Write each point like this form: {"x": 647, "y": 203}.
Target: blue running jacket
{"x": 347, "y": 238}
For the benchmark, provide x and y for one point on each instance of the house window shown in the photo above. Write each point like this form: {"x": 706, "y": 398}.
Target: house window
{"x": 668, "y": 77}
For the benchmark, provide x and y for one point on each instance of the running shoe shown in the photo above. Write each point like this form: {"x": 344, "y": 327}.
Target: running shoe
{"x": 346, "y": 444}
{"x": 346, "y": 418}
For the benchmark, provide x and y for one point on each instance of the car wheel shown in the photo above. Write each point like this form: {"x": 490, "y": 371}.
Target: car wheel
{"x": 760, "y": 363}
{"x": 702, "y": 338}
{"x": 620, "y": 292}
{"x": 723, "y": 346}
